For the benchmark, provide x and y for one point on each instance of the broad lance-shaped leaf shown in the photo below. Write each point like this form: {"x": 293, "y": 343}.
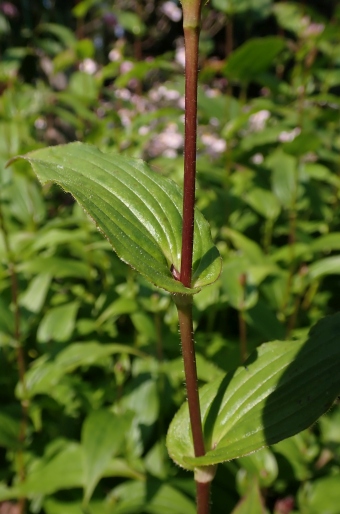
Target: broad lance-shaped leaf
{"x": 139, "y": 211}
{"x": 102, "y": 436}
{"x": 283, "y": 388}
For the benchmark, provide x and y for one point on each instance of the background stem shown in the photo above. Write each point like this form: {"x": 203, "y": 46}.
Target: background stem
{"x": 19, "y": 353}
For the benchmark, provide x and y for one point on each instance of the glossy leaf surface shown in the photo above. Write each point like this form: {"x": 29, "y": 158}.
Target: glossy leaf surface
{"x": 137, "y": 210}
{"x": 283, "y": 388}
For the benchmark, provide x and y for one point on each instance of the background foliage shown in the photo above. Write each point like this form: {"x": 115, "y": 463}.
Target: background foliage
{"x": 90, "y": 368}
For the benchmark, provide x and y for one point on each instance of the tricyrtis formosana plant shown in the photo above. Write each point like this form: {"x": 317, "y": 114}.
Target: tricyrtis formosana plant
{"x": 282, "y": 388}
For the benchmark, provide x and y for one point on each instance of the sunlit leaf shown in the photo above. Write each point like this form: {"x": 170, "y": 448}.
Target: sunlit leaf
{"x": 323, "y": 267}
{"x": 282, "y": 389}
{"x": 137, "y": 210}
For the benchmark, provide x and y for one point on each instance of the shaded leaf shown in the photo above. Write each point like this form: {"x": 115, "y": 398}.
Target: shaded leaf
{"x": 238, "y": 285}
{"x": 151, "y": 497}
{"x": 9, "y": 430}
{"x": 253, "y": 57}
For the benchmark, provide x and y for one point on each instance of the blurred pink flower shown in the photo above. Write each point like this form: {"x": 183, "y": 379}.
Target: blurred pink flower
{"x": 9, "y": 9}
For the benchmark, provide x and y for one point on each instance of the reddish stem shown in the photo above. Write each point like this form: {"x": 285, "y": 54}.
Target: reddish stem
{"x": 203, "y": 497}
{"x": 191, "y": 38}
{"x": 191, "y": 26}
{"x": 188, "y": 351}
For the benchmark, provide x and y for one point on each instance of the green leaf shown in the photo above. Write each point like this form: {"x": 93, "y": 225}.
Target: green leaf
{"x": 258, "y": 8}
{"x": 138, "y": 211}
{"x": 252, "y": 502}
{"x": 102, "y": 436}
{"x": 265, "y": 321}
{"x": 282, "y": 389}
{"x": 83, "y": 7}
{"x": 237, "y": 283}
{"x": 58, "y": 323}
{"x": 63, "y": 471}
{"x": 326, "y": 243}
{"x": 261, "y": 465}
{"x": 44, "y": 375}
{"x": 151, "y": 497}
{"x": 247, "y": 246}
{"x": 34, "y": 297}
{"x": 321, "y": 496}
{"x": 284, "y": 177}
{"x": 299, "y": 452}
{"x": 264, "y": 202}
{"x": 9, "y": 430}
{"x": 131, "y": 22}
{"x": 64, "y": 34}
{"x": 84, "y": 86}
{"x": 323, "y": 267}
{"x": 289, "y": 16}
{"x": 253, "y": 57}
{"x": 58, "y": 267}
{"x": 53, "y": 506}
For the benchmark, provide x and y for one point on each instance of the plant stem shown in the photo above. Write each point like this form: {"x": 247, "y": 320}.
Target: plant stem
{"x": 184, "y": 307}
{"x": 243, "y": 335}
{"x": 191, "y": 38}
{"x": 188, "y": 350}
{"x": 203, "y": 497}
{"x": 191, "y": 24}
{"x": 19, "y": 353}
{"x": 184, "y": 303}
{"x": 191, "y": 27}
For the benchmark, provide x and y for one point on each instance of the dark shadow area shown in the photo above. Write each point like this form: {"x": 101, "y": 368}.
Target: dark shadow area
{"x": 214, "y": 409}
{"x": 308, "y": 387}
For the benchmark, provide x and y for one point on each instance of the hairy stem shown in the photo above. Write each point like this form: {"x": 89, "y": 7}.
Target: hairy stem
{"x": 191, "y": 37}
{"x": 188, "y": 351}
{"x": 184, "y": 303}
{"x": 203, "y": 497}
